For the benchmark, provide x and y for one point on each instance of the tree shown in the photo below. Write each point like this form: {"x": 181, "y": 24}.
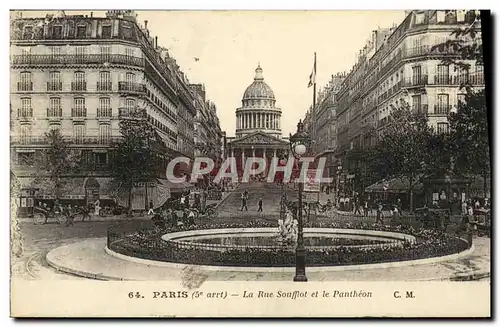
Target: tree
{"x": 56, "y": 162}
{"x": 135, "y": 155}
{"x": 403, "y": 149}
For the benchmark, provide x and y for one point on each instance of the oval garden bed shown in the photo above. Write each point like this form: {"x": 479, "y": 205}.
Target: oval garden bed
{"x": 145, "y": 242}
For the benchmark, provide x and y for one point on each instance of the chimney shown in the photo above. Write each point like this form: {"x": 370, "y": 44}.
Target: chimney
{"x": 156, "y": 42}
{"x": 91, "y": 14}
{"x": 146, "y": 24}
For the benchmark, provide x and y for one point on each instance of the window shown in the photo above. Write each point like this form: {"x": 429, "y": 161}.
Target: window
{"x": 81, "y": 51}
{"x": 54, "y": 83}
{"x": 130, "y": 78}
{"x": 104, "y": 109}
{"x": 442, "y": 106}
{"x": 25, "y": 133}
{"x": 129, "y": 52}
{"x": 419, "y": 18}
{"x": 417, "y": 103}
{"x": 81, "y": 31}
{"x": 55, "y": 109}
{"x": 127, "y": 32}
{"x": 442, "y": 128}
{"x": 104, "y": 133}
{"x": 130, "y": 103}
{"x": 55, "y": 51}
{"x": 105, "y": 51}
{"x": 104, "y": 83}
{"x": 443, "y": 73}
{"x": 463, "y": 77}
{"x": 461, "y": 15}
{"x": 25, "y": 110}
{"x": 416, "y": 74}
{"x": 106, "y": 31}
{"x": 79, "y": 109}
{"x": 57, "y": 32}
{"x": 440, "y": 15}
{"x": 101, "y": 158}
{"x": 25, "y": 83}
{"x": 79, "y": 133}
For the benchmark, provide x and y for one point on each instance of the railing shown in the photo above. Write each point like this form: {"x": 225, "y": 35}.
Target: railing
{"x": 34, "y": 59}
{"x": 79, "y": 112}
{"x": 104, "y": 112}
{"x": 442, "y": 109}
{"x": 25, "y": 86}
{"x": 442, "y": 80}
{"x": 54, "y": 86}
{"x": 87, "y": 140}
{"x": 419, "y": 80}
{"x": 78, "y": 86}
{"x": 131, "y": 113}
{"x": 104, "y": 86}
{"x": 24, "y": 112}
{"x": 420, "y": 109}
{"x": 54, "y": 112}
{"x": 131, "y": 87}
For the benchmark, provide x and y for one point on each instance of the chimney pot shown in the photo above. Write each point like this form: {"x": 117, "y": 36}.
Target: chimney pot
{"x": 91, "y": 14}
{"x": 145, "y": 24}
{"x": 156, "y": 41}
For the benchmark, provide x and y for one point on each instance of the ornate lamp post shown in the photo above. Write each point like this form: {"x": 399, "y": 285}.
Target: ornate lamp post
{"x": 298, "y": 147}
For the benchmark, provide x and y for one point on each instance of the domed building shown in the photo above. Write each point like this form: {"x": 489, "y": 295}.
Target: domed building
{"x": 258, "y": 124}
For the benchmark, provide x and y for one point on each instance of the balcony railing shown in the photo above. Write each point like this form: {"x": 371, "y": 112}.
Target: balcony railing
{"x": 54, "y": 86}
{"x": 34, "y": 59}
{"x": 418, "y": 80}
{"x": 25, "y": 112}
{"x": 131, "y": 87}
{"x": 420, "y": 109}
{"x": 54, "y": 112}
{"x": 78, "y": 112}
{"x": 78, "y": 86}
{"x": 104, "y": 86}
{"x": 83, "y": 140}
{"x": 104, "y": 112}
{"x": 131, "y": 113}
{"x": 442, "y": 109}
{"x": 442, "y": 80}
{"x": 25, "y": 86}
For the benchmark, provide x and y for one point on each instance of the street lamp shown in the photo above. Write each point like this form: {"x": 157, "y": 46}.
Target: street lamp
{"x": 339, "y": 172}
{"x": 283, "y": 162}
{"x": 298, "y": 147}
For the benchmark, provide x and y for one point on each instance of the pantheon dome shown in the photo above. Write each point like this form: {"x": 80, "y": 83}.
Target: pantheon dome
{"x": 258, "y": 111}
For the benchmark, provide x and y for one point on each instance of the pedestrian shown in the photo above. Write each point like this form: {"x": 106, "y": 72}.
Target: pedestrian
{"x": 243, "y": 202}
{"x": 477, "y": 204}
{"x": 347, "y": 204}
{"x": 151, "y": 210}
{"x": 464, "y": 208}
{"x": 357, "y": 208}
{"x": 260, "y": 205}
{"x": 365, "y": 208}
{"x": 97, "y": 207}
{"x": 379, "y": 214}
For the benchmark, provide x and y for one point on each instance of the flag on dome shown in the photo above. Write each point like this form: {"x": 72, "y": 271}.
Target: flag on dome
{"x": 312, "y": 77}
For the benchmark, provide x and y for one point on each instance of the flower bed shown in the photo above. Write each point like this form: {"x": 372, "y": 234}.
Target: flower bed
{"x": 146, "y": 243}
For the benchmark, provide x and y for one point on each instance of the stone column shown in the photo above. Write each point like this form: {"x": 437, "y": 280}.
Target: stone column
{"x": 243, "y": 158}
{"x": 260, "y": 120}
{"x": 264, "y": 155}
{"x": 232, "y": 152}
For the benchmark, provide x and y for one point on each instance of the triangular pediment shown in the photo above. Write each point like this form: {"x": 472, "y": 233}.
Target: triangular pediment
{"x": 259, "y": 138}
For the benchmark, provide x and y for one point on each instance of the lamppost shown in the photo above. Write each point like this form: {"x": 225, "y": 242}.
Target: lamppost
{"x": 282, "y": 162}
{"x": 298, "y": 147}
{"x": 339, "y": 172}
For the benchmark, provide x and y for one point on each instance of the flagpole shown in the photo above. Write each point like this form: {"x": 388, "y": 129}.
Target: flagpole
{"x": 314, "y": 85}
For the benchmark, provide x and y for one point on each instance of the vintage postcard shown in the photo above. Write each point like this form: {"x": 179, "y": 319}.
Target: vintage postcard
{"x": 250, "y": 163}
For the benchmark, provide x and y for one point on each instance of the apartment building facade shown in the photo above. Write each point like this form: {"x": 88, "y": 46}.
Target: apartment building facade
{"x": 81, "y": 75}
{"x": 399, "y": 67}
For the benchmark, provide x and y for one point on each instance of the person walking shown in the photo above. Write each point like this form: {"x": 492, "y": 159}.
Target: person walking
{"x": 365, "y": 208}
{"x": 357, "y": 207}
{"x": 260, "y": 205}
{"x": 244, "y": 202}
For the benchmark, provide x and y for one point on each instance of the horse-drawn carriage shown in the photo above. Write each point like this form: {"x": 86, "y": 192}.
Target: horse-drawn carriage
{"x": 435, "y": 218}
{"x": 175, "y": 213}
{"x": 63, "y": 215}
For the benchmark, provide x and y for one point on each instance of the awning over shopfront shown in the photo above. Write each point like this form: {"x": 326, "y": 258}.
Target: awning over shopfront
{"x": 395, "y": 185}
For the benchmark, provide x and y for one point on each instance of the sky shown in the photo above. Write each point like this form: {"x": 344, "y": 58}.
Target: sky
{"x": 230, "y": 45}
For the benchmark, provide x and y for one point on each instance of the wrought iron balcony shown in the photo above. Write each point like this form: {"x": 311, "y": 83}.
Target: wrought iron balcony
{"x": 25, "y": 113}
{"x": 421, "y": 109}
{"x": 417, "y": 80}
{"x": 442, "y": 109}
{"x": 131, "y": 87}
{"x": 104, "y": 86}
{"x": 104, "y": 112}
{"x": 131, "y": 113}
{"x": 54, "y": 86}
{"x": 25, "y": 86}
{"x": 54, "y": 112}
{"x": 78, "y": 86}
{"x": 78, "y": 112}
{"x": 34, "y": 59}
